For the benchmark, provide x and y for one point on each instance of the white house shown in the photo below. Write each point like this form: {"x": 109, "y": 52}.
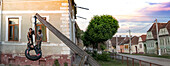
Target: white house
{"x": 164, "y": 35}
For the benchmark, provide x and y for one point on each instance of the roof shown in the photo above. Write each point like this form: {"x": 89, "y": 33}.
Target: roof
{"x": 143, "y": 37}
{"x": 153, "y": 29}
{"x": 168, "y": 27}
{"x": 113, "y": 40}
{"x": 135, "y": 40}
{"x": 125, "y": 41}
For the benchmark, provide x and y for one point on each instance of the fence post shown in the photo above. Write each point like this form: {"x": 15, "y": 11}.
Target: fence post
{"x": 122, "y": 59}
{"x": 139, "y": 62}
{"x": 132, "y": 61}
{"x": 127, "y": 61}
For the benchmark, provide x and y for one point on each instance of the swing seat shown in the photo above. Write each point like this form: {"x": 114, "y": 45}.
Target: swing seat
{"x": 33, "y": 57}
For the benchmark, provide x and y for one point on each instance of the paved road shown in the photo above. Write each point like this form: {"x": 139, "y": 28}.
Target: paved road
{"x": 161, "y": 61}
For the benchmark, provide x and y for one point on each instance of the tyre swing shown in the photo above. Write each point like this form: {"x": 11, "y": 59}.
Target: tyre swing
{"x": 36, "y": 48}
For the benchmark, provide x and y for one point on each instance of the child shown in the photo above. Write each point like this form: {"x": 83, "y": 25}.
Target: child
{"x": 30, "y": 37}
{"x": 39, "y": 39}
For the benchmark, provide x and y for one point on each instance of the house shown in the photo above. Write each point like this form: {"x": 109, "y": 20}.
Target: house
{"x": 141, "y": 44}
{"x": 164, "y": 35}
{"x": 17, "y": 16}
{"x": 134, "y": 44}
{"x": 151, "y": 38}
{"x": 115, "y": 45}
{"x": 124, "y": 45}
{"x": 109, "y": 46}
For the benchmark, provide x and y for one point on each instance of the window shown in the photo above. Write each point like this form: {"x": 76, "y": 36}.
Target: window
{"x": 126, "y": 47}
{"x": 140, "y": 45}
{"x": 43, "y": 28}
{"x": 13, "y": 29}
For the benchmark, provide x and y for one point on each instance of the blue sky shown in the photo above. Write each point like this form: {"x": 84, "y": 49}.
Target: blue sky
{"x": 136, "y": 15}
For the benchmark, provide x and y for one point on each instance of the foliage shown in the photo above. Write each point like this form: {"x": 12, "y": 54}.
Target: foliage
{"x": 79, "y": 33}
{"x": 112, "y": 63}
{"x": 103, "y": 47}
{"x": 65, "y": 64}
{"x": 104, "y": 56}
{"x": 56, "y": 63}
{"x": 100, "y": 29}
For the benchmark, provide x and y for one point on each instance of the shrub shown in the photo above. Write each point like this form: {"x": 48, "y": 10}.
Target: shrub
{"x": 65, "y": 64}
{"x": 56, "y": 63}
{"x": 104, "y": 56}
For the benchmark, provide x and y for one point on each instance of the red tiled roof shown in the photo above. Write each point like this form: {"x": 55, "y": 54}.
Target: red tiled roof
{"x": 135, "y": 40}
{"x": 153, "y": 29}
{"x": 125, "y": 41}
{"x": 143, "y": 38}
{"x": 168, "y": 27}
{"x": 113, "y": 40}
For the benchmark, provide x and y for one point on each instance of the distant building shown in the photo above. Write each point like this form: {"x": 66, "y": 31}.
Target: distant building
{"x": 109, "y": 46}
{"x": 164, "y": 35}
{"x": 114, "y": 44}
{"x": 141, "y": 44}
{"x": 124, "y": 45}
{"x": 134, "y": 44}
{"x": 151, "y": 39}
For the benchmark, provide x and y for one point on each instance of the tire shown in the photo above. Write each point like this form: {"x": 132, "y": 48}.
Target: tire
{"x": 31, "y": 57}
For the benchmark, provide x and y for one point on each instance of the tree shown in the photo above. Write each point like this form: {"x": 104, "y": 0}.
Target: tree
{"x": 100, "y": 29}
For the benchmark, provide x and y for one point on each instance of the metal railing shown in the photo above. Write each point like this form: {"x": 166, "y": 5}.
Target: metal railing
{"x": 133, "y": 61}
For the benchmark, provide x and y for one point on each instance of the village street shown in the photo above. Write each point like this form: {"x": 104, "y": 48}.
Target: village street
{"x": 156, "y": 60}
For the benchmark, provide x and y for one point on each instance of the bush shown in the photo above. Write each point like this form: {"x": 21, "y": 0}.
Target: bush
{"x": 103, "y": 47}
{"x": 56, "y": 63}
{"x": 65, "y": 64}
{"x": 104, "y": 56}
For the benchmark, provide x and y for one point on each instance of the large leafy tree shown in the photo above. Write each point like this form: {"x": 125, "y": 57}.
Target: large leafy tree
{"x": 100, "y": 29}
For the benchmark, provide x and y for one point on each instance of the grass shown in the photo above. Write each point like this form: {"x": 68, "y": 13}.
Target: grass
{"x": 111, "y": 63}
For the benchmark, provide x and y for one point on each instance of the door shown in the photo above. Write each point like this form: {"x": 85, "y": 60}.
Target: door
{"x": 136, "y": 49}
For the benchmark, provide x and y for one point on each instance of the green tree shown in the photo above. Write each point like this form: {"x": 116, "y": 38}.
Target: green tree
{"x": 100, "y": 29}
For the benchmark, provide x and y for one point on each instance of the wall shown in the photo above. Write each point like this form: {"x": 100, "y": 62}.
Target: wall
{"x": 58, "y": 14}
{"x": 151, "y": 46}
{"x": 121, "y": 48}
{"x": 165, "y": 44}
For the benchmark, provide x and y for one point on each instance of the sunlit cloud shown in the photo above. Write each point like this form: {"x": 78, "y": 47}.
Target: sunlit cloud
{"x": 131, "y": 14}
{"x": 158, "y": 7}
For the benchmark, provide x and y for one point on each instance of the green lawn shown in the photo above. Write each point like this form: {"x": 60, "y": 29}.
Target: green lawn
{"x": 111, "y": 63}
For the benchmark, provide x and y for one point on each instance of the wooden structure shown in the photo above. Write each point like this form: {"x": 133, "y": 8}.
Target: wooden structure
{"x": 85, "y": 57}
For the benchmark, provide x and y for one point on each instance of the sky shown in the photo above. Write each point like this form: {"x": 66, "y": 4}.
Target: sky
{"x": 135, "y": 15}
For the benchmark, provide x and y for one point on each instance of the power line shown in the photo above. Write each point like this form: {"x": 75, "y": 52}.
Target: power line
{"x": 136, "y": 30}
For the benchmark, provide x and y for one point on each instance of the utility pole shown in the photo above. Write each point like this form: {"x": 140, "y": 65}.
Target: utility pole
{"x": 158, "y": 41}
{"x": 73, "y": 22}
{"x": 0, "y": 20}
{"x": 130, "y": 51}
{"x": 116, "y": 44}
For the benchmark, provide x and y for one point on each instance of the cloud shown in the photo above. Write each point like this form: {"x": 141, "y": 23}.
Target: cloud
{"x": 154, "y": 7}
{"x": 135, "y": 14}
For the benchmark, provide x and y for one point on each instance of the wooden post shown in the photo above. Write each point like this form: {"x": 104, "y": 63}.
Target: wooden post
{"x": 150, "y": 64}
{"x": 67, "y": 41}
{"x": 127, "y": 61}
{"x": 122, "y": 59}
{"x": 132, "y": 61}
{"x": 139, "y": 62}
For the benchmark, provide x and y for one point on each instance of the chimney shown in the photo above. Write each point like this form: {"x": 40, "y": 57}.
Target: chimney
{"x": 131, "y": 36}
{"x": 126, "y": 35}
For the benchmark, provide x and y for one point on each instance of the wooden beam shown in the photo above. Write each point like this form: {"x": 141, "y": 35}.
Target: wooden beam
{"x": 67, "y": 41}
